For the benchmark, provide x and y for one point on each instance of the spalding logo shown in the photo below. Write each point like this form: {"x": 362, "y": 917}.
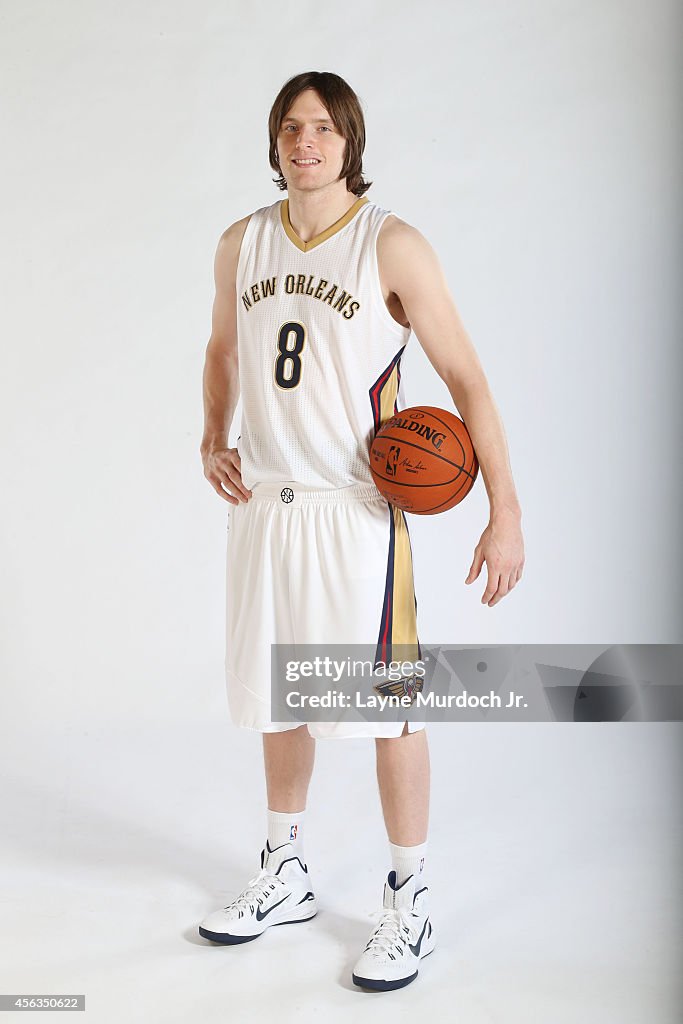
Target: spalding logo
{"x": 421, "y": 429}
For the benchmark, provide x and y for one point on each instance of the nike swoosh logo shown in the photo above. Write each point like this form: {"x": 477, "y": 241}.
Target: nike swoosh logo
{"x": 415, "y": 950}
{"x": 260, "y": 916}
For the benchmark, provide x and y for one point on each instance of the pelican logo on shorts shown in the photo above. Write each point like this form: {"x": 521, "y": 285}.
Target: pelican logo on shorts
{"x": 287, "y": 495}
{"x": 409, "y": 686}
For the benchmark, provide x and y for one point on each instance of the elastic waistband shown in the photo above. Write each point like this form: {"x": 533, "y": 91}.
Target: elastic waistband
{"x": 291, "y": 494}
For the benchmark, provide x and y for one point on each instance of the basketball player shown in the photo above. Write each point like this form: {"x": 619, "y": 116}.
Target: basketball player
{"x": 316, "y": 298}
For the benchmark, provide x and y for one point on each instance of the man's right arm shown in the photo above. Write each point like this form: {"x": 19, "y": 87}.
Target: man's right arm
{"x": 221, "y": 373}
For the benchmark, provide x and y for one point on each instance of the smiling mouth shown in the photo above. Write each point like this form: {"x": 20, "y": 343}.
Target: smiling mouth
{"x": 308, "y": 162}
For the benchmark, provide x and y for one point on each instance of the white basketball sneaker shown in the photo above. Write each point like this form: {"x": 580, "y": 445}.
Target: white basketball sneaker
{"x": 403, "y": 936}
{"x": 280, "y": 894}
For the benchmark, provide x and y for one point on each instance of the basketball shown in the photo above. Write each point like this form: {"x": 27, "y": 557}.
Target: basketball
{"x": 422, "y": 460}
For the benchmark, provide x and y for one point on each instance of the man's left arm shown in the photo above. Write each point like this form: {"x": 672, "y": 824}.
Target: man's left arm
{"x": 410, "y": 269}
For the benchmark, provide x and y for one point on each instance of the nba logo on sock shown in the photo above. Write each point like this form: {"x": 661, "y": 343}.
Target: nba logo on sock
{"x": 422, "y": 864}
{"x": 292, "y": 831}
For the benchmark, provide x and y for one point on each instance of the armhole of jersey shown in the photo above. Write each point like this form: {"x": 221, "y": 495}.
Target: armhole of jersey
{"x": 381, "y": 305}
{"x": 244, "y": 244}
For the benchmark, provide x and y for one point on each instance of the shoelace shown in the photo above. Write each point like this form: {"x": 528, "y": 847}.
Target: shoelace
{"x": 256, "y": 889}
{"x": 392, "y": 931}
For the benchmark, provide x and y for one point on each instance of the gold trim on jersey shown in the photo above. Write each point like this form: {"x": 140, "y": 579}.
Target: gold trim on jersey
{"x": 324, "y": 235}
{"x": 387, "y": 398}
{"x": 404, "y": 619}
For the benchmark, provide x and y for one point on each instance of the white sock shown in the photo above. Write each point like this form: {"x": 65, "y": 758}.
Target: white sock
{"x": 407, "y": 861}
{"x": 287, "y": 827}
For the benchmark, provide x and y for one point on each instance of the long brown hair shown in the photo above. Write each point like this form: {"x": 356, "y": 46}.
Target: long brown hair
{"x": 344, "y": 108}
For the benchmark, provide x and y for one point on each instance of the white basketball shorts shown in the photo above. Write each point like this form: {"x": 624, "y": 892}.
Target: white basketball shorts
{"x": 311, "y": 566}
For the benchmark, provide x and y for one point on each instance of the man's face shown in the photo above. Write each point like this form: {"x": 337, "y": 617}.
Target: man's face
{"x": 307, "y": 133}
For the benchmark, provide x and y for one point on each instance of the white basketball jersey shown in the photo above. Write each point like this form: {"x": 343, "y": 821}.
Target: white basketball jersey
{"x": 319, "y": 352}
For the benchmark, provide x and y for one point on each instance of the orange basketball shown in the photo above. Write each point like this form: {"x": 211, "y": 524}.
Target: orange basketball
{"x": 422, "y": 460}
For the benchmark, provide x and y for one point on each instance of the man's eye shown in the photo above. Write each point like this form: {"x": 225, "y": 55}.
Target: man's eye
{"x": 323, "y": 127}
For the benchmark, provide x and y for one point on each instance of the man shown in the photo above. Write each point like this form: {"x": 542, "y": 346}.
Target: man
{"x": 316, "y": 297}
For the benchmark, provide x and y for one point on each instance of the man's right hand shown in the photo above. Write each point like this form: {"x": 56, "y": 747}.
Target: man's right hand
{"x": 222, "y": 468}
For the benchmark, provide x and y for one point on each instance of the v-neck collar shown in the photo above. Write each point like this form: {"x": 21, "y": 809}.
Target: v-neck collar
{"x": 324, "y": 235}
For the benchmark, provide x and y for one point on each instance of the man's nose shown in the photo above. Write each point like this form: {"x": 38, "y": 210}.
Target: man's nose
{"x": 304, "y": 138}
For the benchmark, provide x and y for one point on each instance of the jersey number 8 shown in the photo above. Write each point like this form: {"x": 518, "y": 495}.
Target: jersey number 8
{"x": 288, "y": 362}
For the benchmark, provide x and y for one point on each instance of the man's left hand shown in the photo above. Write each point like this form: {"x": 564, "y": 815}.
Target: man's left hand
{"x": 502, "y": 548}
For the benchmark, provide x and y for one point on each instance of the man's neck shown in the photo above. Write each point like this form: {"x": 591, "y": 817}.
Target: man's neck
{"x": 310, "y": 213}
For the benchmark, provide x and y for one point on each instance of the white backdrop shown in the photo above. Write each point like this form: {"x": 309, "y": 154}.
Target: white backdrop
{"x": 537, "y": 145}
